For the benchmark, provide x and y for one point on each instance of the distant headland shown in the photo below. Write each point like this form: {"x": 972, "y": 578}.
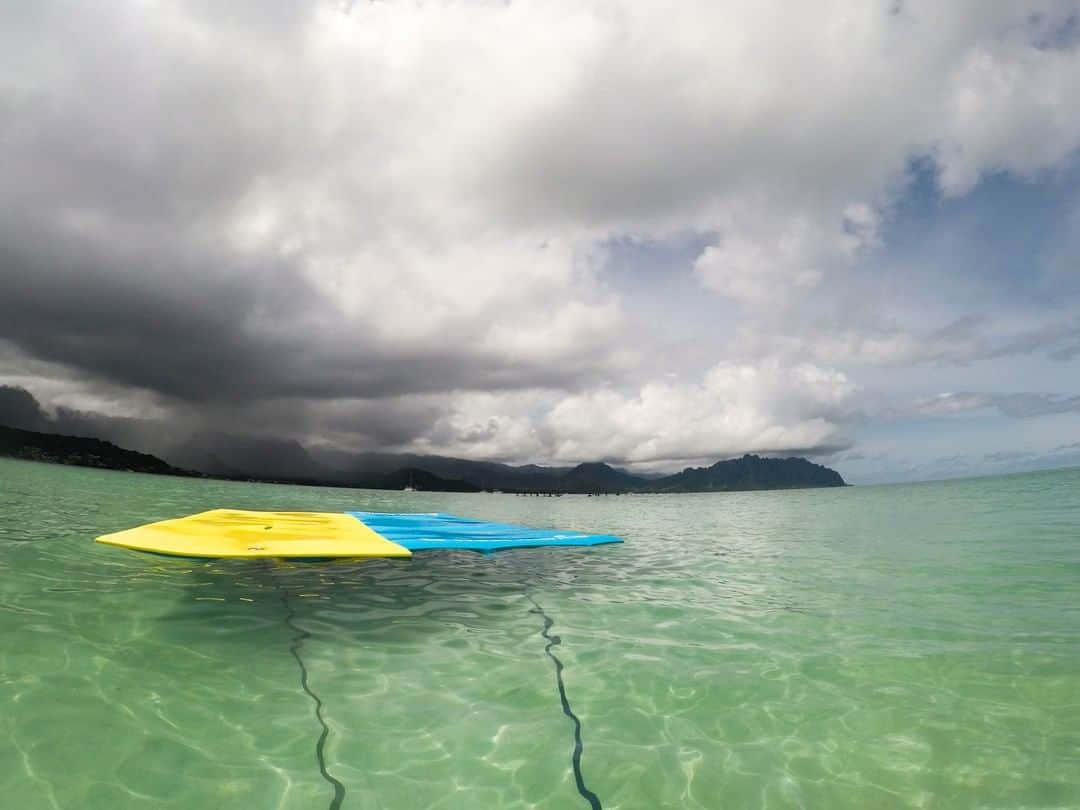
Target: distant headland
{"x": 79, "y": 451}
{"x": 429, "y": 473}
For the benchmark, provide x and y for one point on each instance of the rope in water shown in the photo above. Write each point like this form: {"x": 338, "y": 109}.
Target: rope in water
{"x": 294, "y": 647}
{"x": 297, "y": 642}
{"x": 579, "y": 746}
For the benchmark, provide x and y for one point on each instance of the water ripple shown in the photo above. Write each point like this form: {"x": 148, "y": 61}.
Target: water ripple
{"x": 889, "y": 647}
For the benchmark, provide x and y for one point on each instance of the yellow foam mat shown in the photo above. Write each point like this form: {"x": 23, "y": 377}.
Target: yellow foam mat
{"x": 237, "y": 533}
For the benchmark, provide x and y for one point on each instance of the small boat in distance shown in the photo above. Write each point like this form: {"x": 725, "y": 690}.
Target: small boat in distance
{"x": 409, "y": 486}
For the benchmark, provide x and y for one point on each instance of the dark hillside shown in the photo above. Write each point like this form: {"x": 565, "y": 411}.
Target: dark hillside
{"x": 81, "y": 452}
{"x": 750, "y": 472}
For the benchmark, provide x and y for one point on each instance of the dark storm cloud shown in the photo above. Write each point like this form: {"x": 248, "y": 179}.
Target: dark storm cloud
{"x": 253, "y": 439}
{"x": 19, "y": 409}
{"x": 242, "y": 332}
{"x": 122, "y": 194}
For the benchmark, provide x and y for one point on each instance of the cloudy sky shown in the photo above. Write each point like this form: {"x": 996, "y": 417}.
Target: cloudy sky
{"x": 656, "y": 234}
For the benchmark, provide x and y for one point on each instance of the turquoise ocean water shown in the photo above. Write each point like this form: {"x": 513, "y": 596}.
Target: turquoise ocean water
{"x": 870, "y": 647}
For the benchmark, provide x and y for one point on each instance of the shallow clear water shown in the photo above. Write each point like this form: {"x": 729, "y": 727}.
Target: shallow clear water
{"x": 902, "y": 646}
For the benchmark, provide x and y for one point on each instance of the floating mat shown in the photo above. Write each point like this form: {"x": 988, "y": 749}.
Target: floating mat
{"x": 235, "y": 533}
{"x": 424, "y": 531}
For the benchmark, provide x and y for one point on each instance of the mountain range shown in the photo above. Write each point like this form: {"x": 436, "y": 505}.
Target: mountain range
{"x": 250, "y": 458}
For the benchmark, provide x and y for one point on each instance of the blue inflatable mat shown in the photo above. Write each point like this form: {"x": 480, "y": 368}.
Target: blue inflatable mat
{"x": 424, "y": 531}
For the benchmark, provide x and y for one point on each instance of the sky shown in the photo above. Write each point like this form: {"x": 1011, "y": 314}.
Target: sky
{"x": 646, "y": 233}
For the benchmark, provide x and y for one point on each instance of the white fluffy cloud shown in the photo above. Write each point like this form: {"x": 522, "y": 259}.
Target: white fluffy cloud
{"x": 735, "y": 408}
{"x": 762, "y": 262}
{"x": 767, "y": 407}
